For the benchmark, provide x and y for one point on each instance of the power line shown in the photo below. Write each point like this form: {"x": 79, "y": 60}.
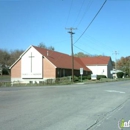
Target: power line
{"x": 79, "y": 12}
{"x": 69, "y": 12}
{"x": 82, "y": 49}
{"x": 97, "y": 43}
{"x": 89, "y": 5}
{"x": 108, "y": 46}
{"x": 115, "y": 53}
{"x": 91, "y": 21}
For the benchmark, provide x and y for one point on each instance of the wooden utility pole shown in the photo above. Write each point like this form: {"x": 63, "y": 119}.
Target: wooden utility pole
{"x": 116, "y": 53}
{"x": 72, "y": 54}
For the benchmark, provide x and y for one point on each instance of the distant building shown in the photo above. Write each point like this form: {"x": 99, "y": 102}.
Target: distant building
{"x": 99, "y": 65}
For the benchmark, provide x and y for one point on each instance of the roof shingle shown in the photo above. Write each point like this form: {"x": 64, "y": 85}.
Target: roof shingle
{"x": 98, "y": 60}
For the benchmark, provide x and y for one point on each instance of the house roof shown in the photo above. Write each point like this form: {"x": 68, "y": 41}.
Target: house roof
{"x": 61, "y": 60}
{"x": 98, "y": 60}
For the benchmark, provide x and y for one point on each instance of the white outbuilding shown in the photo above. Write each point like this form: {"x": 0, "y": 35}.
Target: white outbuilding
{"x": 99, "y": 65}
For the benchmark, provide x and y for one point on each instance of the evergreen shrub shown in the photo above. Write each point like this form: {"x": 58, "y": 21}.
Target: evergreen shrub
{"x": 120, "y": 74}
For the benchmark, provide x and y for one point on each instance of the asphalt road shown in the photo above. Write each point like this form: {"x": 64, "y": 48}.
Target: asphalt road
{"x": 71, "y": 107}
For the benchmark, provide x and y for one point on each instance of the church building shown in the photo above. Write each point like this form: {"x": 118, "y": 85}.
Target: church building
{"x": 38, "y": 64}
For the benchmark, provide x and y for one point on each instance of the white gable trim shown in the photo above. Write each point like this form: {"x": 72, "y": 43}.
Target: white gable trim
{"x": 20, "y": 56}
{"x": 31, "y": 46}
{"x": 26, "y": 50}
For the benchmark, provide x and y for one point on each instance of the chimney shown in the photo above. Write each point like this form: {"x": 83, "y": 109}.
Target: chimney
{"x": 47, "y": 53}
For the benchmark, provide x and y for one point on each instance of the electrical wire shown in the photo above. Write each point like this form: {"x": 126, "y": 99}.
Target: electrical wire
{"x": 79, "y": 12}
{"x": 91, "y": 21}
{"x": 69, "y": 12}
{"x": 87, "y": 8}
{"x": 108, "y": 47}
{"x": 93, "y": 40}
{"x": 82, "y": 50}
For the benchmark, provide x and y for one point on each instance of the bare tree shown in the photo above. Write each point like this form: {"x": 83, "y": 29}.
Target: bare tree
{"x": 81, "y": 54}
{"x": 42, "y": 45}
{"x": 124, "y": 64}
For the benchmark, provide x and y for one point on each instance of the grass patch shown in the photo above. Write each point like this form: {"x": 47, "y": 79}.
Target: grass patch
{"x": 5, "y": 77}
{"x": 103, "y": 80}
{"x": 5, "y": 82}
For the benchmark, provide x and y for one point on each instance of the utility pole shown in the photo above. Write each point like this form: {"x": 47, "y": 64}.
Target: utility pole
{"x": 115, "y": 53}
{"x": 72, "y": 54}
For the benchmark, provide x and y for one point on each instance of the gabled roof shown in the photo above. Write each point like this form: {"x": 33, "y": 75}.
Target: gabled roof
{"x": 61, "y": 60}
{"x": 98, "y": 60}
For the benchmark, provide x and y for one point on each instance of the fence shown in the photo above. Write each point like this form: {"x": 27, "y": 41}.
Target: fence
{"x": 63, "y": 80}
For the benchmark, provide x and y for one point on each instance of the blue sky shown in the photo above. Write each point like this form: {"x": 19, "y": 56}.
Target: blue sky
{"x": 30, "y": 22}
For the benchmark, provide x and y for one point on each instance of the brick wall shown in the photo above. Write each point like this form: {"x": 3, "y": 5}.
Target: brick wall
{"x": 49, "y": 70}
{"x": 16, "y": 70}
